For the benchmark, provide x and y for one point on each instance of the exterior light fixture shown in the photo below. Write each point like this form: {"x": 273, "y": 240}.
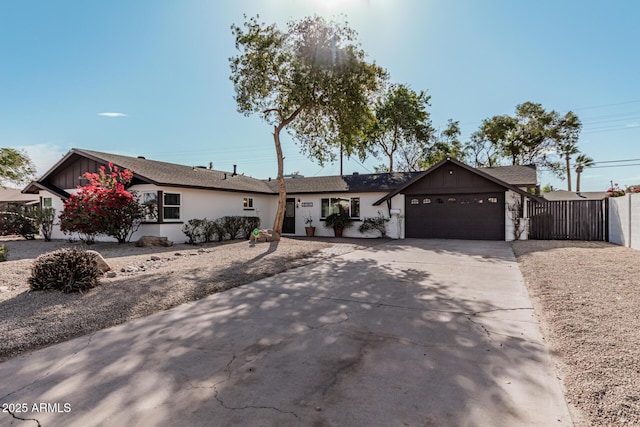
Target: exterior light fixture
{"x": 298, "y": 203}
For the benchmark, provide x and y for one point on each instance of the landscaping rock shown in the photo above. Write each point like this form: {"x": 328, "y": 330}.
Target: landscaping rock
{"x": 267, "y": 235}
{"x": 102, "y": 264}
{"x": 154, "y": 258}
{"x": 111, "y": 274}
{"x": 148, "y": 241}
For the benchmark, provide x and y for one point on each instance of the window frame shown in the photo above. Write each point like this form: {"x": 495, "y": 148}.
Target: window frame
{"x": 247, "y": 204}
{"x": 148, "y": 217}
{"x": 165, "y": 205}
{"x": 330, "y": 203}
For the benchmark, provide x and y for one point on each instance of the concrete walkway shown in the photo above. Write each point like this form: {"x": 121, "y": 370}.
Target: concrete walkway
{"x": 407, "y": 333}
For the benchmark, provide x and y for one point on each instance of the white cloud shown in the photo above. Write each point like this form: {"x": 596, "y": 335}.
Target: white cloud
{"x": 43, "y": 156}
{"x": 112, "y": 114}
{"x": 632, "y": 125}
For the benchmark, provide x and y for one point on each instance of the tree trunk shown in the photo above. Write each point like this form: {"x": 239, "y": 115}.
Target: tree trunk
{"x": 282, "y": 192}
{"x": 578, "y": 172}
{"x": 568, "y": 160}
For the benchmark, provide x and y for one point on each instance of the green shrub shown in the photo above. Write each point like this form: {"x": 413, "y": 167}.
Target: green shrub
{"x": 202, "y": 230}
{"x": 45, "y": 218}
{"x": 378, "y": 223}
{"x": 231, "y": 227}
{"x": 249, "y": 224}
{"x": 338, "y": 220}
{"x": 4, "y": 252}
{"x": 66, "y": 270}
{"x": 18, "y": 220}
{"x": 194, "y": 230}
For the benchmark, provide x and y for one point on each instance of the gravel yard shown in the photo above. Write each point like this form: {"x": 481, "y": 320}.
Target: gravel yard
{"x": 147, "y": 280}
{"x": 587, "y": 295}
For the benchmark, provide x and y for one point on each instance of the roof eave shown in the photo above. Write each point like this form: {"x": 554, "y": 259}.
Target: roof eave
{"x": 462, "y": 165}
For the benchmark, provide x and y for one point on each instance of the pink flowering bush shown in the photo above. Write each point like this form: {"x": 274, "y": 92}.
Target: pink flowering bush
{"x": 615, "y": 191}
{"x": 103, "y": 207}
{"x": 633, "y": 189}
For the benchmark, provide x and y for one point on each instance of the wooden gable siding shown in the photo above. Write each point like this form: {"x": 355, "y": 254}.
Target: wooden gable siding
{"x": 441, "y": 181}
{"x": 70, "y": 175}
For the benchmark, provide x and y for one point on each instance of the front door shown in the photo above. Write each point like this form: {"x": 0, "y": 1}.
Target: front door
{"x": 289, "y": 225}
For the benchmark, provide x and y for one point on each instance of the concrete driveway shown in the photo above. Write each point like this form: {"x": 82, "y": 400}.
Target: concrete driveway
{"x": 407, "y": 333}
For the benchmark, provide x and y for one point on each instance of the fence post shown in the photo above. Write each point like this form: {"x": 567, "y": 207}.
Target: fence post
{"x": 606, "y": 219}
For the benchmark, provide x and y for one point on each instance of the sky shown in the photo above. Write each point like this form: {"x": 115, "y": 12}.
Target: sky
{"x": 151, "y": 78}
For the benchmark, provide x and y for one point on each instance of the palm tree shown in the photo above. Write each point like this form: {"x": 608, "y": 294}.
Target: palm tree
{"x": 582, "y": 161}
{"x": 567, "y": 150}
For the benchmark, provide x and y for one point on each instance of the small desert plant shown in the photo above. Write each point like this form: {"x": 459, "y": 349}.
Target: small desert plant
{"x": 4, "y": 252}
{"x": 66, "y": 270}
{"x": 378, "y": 223}
{"x": 308, "y": 220}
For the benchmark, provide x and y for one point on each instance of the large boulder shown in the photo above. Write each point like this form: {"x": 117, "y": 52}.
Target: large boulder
{"x": 102, "y": 264}
{"x": 147, "y": 241}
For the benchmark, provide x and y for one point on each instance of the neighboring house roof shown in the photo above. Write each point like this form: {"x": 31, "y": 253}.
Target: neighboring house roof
{"x": 175, "y": 175}
{"x": 14, "y": 195}
{"x": 566, "y": 195}
{"x": 480, "y": 172}
{"x": 520, "y": 176}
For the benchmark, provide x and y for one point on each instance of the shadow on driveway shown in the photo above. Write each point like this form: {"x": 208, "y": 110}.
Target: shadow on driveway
{"x": 405, "y": 333}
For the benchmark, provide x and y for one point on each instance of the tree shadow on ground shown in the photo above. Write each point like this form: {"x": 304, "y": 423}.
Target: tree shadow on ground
{"x": 342, "y": 342}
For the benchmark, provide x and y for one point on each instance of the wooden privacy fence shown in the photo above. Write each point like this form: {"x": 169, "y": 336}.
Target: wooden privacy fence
{"x": 569, "y": 220}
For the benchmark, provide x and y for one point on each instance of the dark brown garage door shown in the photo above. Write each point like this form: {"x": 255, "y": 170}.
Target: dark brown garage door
{"x": 455, "y": 216}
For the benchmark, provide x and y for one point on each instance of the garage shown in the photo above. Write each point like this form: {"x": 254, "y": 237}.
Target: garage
{"x": 452, "y": 200}
{"x": 474, "y": 216}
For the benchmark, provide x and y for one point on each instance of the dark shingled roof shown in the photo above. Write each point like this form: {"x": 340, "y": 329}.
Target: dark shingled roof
{"x": 360, "y": 183}
{"x": 175, "y": 175}
{"x": 520, "y": 176}
{"x": 171, "y": 174}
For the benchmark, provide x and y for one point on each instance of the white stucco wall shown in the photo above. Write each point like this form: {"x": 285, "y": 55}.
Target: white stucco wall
{"x": 366, "y": 210}
{"x": 624, "y": 220}
{"x": 195, "y": 203}
{"x": 635, "y": 220}
{"x": 509, "y": 235}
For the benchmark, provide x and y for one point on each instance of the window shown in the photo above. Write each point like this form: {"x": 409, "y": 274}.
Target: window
{"x": 47, "y": 202}
{"x": 452, "y": 200}
{"x": 334, "y": 205}
{"x": 171, "y": 206}
{"x": 247, "y": 203}
{"x": 426, "y": 201}
{"x": 492, "y": 200}
{"x": 415, "y": 201}
{"x": 150, "y": 204}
